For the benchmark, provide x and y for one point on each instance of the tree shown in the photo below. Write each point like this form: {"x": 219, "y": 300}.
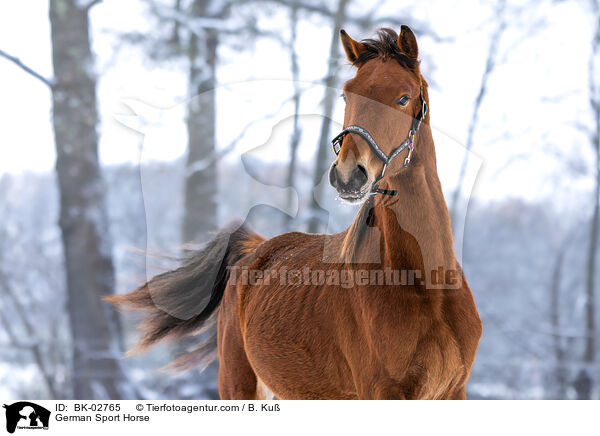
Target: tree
{"x": 558, "y": 385}
{"x": 200, "y": 210}
{"x": 297, "y": 131}
{"x": 490, "y": 64}
{"x": 328, "y": 106}
{"x": 589, "y": 356}
{"x": 83, "y": 217}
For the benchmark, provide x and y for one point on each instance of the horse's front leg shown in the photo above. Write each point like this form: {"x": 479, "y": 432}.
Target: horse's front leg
{"x": 409, "y": 388}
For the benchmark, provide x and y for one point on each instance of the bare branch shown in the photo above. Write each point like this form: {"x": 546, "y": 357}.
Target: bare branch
{"x": 197, "y": 25}
{"x": 91, "y": 4}
{"x": 365, "y": 21}
{"x": 27, "y": 69}
{"x": 305, "y": 6}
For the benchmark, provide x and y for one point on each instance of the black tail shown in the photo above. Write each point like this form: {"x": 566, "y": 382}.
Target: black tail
{"x": 183, "y": 301}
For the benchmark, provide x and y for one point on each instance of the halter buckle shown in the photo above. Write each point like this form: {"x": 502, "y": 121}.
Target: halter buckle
{"x": 337, "y": 144}
{"x": 408, "y": 156}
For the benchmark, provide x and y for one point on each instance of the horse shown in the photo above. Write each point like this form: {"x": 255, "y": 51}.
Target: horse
{"x": 278, "y": 313}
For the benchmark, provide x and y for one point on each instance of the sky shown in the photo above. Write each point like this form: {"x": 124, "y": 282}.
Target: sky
{"x": 526, "y": 136}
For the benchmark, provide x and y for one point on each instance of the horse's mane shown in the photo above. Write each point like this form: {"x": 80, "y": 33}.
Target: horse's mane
{"x": 386, "y": 46}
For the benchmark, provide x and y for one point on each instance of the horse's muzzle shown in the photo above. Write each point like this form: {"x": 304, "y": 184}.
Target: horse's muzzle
{"x": 350, "y": 187}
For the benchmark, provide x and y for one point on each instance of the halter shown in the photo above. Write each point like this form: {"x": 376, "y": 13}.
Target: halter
{"x": 386, "y": 159}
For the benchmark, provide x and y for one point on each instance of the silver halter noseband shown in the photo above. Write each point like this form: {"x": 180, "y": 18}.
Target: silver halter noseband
{"x": 386, "y": 159}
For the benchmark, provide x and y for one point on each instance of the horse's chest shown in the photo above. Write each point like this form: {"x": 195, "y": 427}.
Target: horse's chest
{"x": 421, "y": 363}
{"x": 441, "y": 359}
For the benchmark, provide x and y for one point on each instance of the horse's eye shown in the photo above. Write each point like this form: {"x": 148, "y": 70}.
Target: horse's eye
{"x": 403, "y": 101}
{"x": 343, "y": 97}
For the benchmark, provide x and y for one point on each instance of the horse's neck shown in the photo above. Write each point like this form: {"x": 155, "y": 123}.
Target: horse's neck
{"x": 412, "y": 229}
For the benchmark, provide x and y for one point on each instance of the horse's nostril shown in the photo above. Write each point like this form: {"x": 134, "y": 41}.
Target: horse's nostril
{"x": 363, "y": 170}
{"x": 333, "y": 176}
{"x": 360, "y": 175}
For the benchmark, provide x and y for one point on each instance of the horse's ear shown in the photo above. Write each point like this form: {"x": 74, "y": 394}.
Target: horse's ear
{"x": 352, "y": 48}
{"x": 407, "y": 42}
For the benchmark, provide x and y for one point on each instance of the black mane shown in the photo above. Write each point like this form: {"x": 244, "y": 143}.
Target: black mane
{"x": 385, "y": 46}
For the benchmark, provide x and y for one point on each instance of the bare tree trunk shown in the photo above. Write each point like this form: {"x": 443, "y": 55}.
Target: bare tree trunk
{"x": 321, "y": 165}
{"x": 558, "y": 382}
{"x": 489, "y": 68}
{"x": 201, "y": 186}
{"x": 200, "y": 208}
{"x": 296, "y": 133}
{"x": 83, "y": 216}
{"x": 590, "y": 290}
{"x": 590, "y": 324}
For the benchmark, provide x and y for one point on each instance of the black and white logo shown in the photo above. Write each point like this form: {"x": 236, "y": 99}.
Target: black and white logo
{"x": 26, "y": 415}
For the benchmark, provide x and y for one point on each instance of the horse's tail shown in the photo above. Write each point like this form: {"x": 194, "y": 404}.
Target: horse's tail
{"x": 184, "y": 301}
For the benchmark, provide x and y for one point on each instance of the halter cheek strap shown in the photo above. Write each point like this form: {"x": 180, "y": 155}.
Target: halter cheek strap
{"x": 408, "y": 143}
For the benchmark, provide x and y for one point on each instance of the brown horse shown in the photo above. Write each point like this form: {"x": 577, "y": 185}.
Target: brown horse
{"x": 290, "y": 322}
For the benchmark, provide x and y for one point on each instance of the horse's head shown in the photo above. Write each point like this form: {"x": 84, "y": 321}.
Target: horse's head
{"x": 383, "y": 98}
